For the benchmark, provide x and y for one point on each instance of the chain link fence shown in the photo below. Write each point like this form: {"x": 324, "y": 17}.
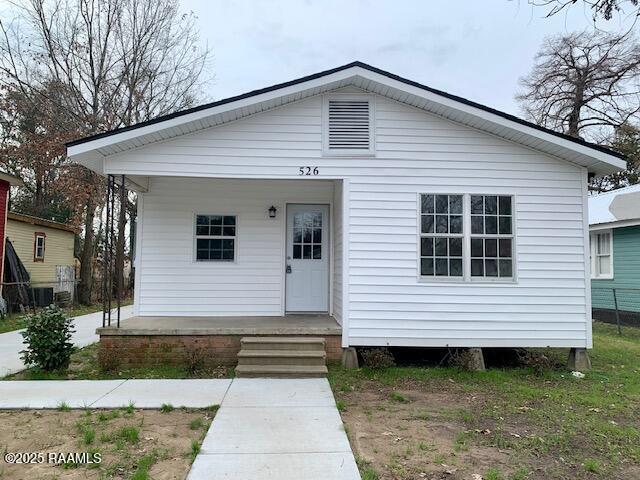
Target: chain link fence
{"x": 620, "y": 306}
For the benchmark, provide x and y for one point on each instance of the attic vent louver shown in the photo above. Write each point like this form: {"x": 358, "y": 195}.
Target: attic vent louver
{"x": 349, "y": 125}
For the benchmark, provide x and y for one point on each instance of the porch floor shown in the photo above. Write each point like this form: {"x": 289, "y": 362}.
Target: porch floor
{"x": 294, "y": 324}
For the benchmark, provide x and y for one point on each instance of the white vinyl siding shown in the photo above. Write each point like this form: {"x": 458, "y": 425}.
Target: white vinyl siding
{"x": 416, "y": 152}
{"x": 172, "y": 283}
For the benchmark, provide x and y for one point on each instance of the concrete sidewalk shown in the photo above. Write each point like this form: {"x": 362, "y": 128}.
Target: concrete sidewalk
{"x": 37, "y": 394}
{"x": 276, "y": 429}
{"x": 85, "y": 334}
{"x": 265, "y": 429}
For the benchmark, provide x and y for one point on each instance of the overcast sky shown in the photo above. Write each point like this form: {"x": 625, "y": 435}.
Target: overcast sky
{"x": 473, "y": 48}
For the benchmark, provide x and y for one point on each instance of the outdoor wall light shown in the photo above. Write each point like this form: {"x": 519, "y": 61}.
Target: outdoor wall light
{"x": 272, "y": 211}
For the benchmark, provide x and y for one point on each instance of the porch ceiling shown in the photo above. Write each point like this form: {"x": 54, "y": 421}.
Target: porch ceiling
{"x": 294, "y": 324}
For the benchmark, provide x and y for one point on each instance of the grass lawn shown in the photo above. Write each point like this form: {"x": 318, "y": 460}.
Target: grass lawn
{"x": 84, "y": 366}
{"x": 15, "y": 321}
{"x": 133, "y": 444}
{"x": 510, "y": 424}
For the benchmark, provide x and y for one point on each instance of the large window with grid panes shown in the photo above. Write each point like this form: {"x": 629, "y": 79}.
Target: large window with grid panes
{"x": 466, "y": 237}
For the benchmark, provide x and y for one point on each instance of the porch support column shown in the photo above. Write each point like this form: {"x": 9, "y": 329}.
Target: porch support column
{"x": 349, "y": 358}
{"x": 578, "y": 360}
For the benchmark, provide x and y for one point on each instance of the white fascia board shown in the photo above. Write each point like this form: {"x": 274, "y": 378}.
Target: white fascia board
{"x": 617, "y": 224}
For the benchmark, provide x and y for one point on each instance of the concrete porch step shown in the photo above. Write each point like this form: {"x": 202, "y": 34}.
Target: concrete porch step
{"x": 282, "y": 343}
{"x": 282, "y": 357}
{"x": 281, "y": 371}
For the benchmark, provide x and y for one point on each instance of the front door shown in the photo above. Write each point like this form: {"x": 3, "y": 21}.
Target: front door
{"x": 307, "y": 282}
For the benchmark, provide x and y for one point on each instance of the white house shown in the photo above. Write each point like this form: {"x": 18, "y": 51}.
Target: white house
{"x": 409, "y": 216}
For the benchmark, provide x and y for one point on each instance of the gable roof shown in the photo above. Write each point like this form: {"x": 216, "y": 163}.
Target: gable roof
{"x": 615, "y": 208}
{"x": 598, "y": 159}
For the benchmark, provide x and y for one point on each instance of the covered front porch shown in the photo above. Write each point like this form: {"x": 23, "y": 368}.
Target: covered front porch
{"x": 218, "y": 260}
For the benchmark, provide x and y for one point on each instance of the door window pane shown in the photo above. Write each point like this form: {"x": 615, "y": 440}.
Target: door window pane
{"x": 307, "y": 235}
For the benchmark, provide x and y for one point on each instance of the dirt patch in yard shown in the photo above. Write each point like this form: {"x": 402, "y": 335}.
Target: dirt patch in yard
{"x": 411, "y": 432}
{"x": 530, "y": 422}
{"x": 133, "y": 444}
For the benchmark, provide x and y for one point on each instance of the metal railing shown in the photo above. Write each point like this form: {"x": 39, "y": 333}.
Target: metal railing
{"x": 113, "y": 255}
{"x": 616, "y": 305}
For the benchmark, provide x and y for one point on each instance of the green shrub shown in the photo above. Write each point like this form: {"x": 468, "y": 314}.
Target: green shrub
{"x": 48, "y": 339}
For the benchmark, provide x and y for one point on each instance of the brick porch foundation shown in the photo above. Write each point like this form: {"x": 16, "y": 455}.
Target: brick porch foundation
{"x": 148, "y": 350}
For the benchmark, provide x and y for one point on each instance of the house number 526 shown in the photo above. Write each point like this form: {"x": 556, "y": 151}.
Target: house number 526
{"x": 308, "y": 171}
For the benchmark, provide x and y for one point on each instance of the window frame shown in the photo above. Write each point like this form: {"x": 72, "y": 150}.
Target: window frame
{"x": 441, "y": 278}
{"x": 497, "y": 236}
{"x": 196, "y": 237}
{"x": 36, "y": 236}
{"x": 593, "y": 255}
{"x": 371, "y": 152}
{"x": 466, "y": 277}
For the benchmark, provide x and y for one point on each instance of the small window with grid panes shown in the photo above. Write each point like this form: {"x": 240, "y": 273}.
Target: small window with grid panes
{"x": 215, "y": 238}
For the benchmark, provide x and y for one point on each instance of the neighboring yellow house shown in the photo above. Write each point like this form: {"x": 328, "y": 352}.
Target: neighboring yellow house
{"x": 46, "y": 250}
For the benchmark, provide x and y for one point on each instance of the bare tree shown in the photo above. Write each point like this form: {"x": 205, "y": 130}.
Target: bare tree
{"x": 584, "y": 84}
{"x": 120, "y": 62}
{"x": 604, "y": 9}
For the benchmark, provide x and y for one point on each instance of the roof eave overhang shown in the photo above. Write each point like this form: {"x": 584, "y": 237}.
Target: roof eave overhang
{"x": 615, "y": 224}
{"x": 595, "y": 160}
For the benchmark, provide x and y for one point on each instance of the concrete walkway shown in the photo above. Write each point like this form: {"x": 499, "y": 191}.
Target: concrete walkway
{"x": 276, "y": 429}
{"x": 85, "y": 325}
{"x": 112, "y": 393}
{"x": 265, "y": 429}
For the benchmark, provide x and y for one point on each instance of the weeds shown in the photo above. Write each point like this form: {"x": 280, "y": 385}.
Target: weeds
{"x": 88, "y": 435}
{"x": 398, "y": 397}
{"x": 129, "y": 434}
{"x": 196, "y": 424}
{"x": 367, "y": 472}
{"x": 592, "y": 465}
{"x": 144, "y": 465}
{"x": 492, "y": 474}
{"x": 195, "y": 449}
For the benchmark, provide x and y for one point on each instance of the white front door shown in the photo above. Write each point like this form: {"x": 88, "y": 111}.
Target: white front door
{"x": 307, "y": 282}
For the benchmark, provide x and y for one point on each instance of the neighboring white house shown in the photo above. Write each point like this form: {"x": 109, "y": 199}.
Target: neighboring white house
{"x": 413, "y": 217}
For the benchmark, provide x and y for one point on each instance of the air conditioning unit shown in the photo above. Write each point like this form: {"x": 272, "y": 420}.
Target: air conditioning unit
{"x": 41, "y": 297}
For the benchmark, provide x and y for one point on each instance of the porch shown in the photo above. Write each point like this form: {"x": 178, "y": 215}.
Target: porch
{"x": 291, "y": 324}
{"x": 212, "y": 341}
